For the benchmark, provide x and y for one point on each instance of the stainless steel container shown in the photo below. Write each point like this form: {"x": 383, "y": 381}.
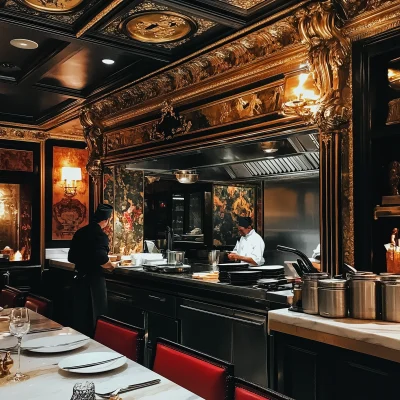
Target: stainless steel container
{"x": 332, "y": 298}
{"x": 310, "y": 291}
{"x": 391, "y": 300}
{"x": 364, "y": 296}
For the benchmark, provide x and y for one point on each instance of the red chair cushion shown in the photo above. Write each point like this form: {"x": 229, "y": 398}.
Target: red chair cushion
{"x": 37, "y": 305}
{"x": 245, "y": 394}
{"x": 118, "y": 338}
{"x": 8, "y": 298}
{"x": 200, "y": 377}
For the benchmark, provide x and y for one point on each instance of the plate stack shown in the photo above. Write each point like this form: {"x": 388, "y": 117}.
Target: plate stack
{"x": 224, "y": 269}
{"x": 244, "y": 278}
{"x": 271, "y": 271}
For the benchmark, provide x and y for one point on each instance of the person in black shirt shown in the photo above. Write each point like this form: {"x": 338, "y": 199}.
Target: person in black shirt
{"x": 89, "y": 252}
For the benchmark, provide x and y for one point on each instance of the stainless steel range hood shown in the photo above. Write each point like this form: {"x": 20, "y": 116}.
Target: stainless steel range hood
{"x": 295, "y": 155}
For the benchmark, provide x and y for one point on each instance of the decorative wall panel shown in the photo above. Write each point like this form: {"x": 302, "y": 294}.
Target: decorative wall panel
{"x": 16, "y": 160}
{"x": 123, "y": 189}
{"x": 69, "y": 213}
{"x": 249, "y": 105}
{"x": 108, "y": 198}
{"x": 229, "y": 202}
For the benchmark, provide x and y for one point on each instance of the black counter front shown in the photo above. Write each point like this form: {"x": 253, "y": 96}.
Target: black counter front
{"x": 227, "y": 322}
{"x": 26, "y": 277}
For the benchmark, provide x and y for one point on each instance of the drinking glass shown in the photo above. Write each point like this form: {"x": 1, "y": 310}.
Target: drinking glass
{"x": 19, "y": 326}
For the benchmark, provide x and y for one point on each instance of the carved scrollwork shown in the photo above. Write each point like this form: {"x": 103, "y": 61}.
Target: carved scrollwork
{"x": 352, "y": 8}
{"x": 329, "y": 60}
{"x": 170, "y": 124}
{"x": 95, "y": 143}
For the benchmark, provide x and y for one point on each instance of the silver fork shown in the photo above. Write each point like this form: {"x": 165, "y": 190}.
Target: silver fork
{"x": 129, "y": 388}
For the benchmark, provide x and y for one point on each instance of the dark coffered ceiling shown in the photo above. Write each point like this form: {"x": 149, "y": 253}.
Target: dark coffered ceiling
{"x": 45, "y": 87}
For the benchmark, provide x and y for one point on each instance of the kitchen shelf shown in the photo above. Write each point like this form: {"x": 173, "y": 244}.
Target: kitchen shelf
{"x": 386, "y": 211}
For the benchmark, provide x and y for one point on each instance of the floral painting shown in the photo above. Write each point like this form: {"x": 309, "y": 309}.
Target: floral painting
{"x": 16, "y": 160}
{"x": 230, "y": 202}
{"x": 69, "y": 213}
{"x": 123, "y": 189}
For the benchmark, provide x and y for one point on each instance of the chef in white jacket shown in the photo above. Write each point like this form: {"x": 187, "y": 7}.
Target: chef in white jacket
{"x": 250, "y": 247}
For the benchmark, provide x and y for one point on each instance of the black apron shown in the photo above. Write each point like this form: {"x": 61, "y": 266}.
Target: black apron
{"x": 90, "y": 300}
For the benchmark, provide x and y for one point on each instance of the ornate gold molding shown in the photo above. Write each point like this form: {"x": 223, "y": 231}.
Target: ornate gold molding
{"x": 23, "y": 134}
{"x": 98, "y": 17}
{"x": 96, "y": 145}
{"x": 239, "y": 53}
{"x": 394, "y": 112}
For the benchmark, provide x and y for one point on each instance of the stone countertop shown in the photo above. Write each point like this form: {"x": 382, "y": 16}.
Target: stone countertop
{"x": 186, "y": 280}
{"x": 373, "y": 337}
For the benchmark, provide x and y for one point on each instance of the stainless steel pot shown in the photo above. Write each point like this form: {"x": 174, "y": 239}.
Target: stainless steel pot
{"x": 310, "y": 291}
{"x": 332, "y": 298}
{"x": 364, "y": 296}
{"x": 391, "y": 300}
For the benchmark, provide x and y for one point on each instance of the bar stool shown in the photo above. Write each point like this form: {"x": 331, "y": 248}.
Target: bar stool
{"x": 11, "y": 297}
{"x": 249, "y": 391}
{"x": 121, "y": 337}
{"x": 206, "y": 376}
{"x": 39, "y": 304}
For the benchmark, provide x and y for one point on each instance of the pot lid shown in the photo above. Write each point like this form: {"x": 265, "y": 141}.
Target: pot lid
{"x": 315, "y": 276}
{"x": 365, "y": 277}
{"x": 332, "y": 283}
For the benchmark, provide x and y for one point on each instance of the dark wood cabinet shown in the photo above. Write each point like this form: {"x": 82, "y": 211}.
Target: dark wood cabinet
{"x": 309, "y": 370}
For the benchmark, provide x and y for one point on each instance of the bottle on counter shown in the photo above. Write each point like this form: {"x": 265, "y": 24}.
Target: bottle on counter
{"x": 390, "y": 255}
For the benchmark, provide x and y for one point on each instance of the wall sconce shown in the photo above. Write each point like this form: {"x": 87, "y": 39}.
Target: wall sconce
{"x": 301, "y": 96}
{"x": 70, "y": 176}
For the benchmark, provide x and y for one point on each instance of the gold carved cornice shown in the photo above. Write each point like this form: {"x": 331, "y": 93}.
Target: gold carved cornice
{"x": 234, "y": 55}
{"x": 379, "y": 17}
{"x": 353, "y": 8}
{"x": 22, "y": 134}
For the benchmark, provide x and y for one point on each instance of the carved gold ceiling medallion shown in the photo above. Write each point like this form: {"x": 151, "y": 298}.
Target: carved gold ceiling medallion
{"x": 159, "y": 27}
{"x": 53, "y": 6}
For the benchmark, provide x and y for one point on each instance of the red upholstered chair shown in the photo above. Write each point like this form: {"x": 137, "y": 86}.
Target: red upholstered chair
{"x": 121, "y": 337}
{"x": 206, "y": 376}
{"x": 11, "y": 297}
{"x": 249, "y": 391}
{"x": 39, "y": 304}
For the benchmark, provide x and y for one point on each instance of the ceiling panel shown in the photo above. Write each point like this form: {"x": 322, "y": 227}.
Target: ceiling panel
{"x": 86, "y": 68}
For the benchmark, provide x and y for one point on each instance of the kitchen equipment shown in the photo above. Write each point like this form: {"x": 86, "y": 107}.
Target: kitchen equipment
{"x": 225, "y": 268}
{"x": 304, "y": 258}
{"x": 179, "y": 257}
{"x": 213, "y": 258}
{"x": 161, "y": 244}
{"x": 167, "y": 269}
{"x": 391, "y": 298}
{"x": 364, "y": 296}
{"x": 310, "y": 291}
{"x": 169, "y": 234}
{"x": 332, "y": 298}
{"x": 171, "y": 257}
{"x": 244, "y": 278}
{"x": 270, "y": 271}
{"x": 297, "y": 304}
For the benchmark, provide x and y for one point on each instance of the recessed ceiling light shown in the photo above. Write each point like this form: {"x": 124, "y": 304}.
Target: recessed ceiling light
{"x": 24, "y": 44}
{"x": 108, "y": 61}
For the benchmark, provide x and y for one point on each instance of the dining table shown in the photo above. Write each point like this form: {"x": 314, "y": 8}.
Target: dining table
{"x": 47, "y": 381}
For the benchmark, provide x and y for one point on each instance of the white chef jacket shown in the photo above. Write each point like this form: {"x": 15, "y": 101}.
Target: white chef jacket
{"x": 252, "y": 245}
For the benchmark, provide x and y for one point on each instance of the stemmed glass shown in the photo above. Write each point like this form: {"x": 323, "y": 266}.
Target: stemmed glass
{"x": 19, "y": 326}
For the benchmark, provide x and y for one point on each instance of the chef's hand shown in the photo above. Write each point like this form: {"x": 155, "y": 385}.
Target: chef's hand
{"x": 114, "y": 264}
{"x": 233, "y": 256}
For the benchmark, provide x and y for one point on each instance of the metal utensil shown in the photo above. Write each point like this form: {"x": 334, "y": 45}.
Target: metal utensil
{"x": 54, "y": 345}
{"x": 95, "y": 364}
{"x": 304, "y": 258}
{"x": 129, "y": 388}
{"x": 44, "y": 330}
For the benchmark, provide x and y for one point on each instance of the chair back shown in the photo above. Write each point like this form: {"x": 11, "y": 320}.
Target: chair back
{"x": 11, "y": 297}
{"x": 206, "y": 376}
{"x": 39, "y": 304}
{"x": 121, "y": 337}
{"x": 249, "y": 391}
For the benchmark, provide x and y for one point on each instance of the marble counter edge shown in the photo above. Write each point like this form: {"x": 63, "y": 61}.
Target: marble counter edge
{"x": 379, "y": 333}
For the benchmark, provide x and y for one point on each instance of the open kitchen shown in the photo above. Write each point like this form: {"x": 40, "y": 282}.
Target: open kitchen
{"x": 226, "y": 188}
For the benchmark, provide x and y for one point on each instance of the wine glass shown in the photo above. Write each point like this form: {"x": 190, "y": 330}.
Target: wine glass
{"x": 19, "y": 326}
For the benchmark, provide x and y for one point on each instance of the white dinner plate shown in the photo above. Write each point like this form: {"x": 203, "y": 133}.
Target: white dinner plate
{"x": 88, "y": 358}
{"x": 55, "y": 344}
